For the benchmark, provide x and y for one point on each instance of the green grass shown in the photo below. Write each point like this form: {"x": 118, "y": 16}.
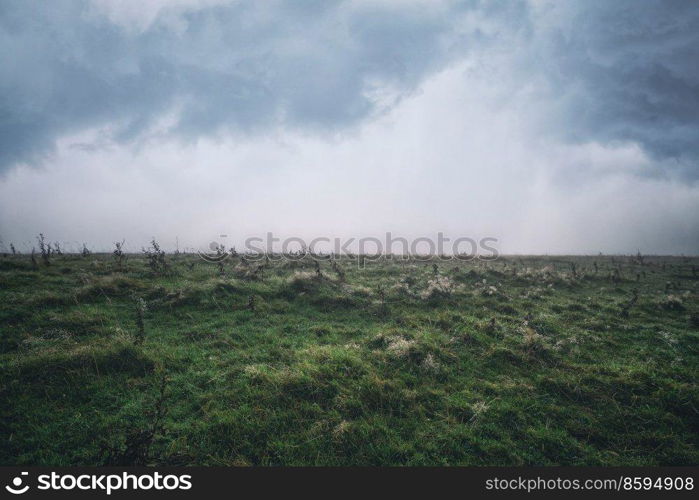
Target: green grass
{"x": 514, "y": 362}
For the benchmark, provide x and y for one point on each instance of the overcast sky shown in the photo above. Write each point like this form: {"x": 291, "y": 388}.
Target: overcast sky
{"x": 556, "y": 127}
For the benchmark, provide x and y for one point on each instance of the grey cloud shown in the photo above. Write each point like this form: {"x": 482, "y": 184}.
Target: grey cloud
{"x": 620, "y": 70}
{"x": 624, "y": 71}
{"x": 241, "y": 67}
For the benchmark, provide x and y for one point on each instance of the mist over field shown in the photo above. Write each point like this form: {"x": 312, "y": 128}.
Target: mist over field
{"x": 555, "y": 127}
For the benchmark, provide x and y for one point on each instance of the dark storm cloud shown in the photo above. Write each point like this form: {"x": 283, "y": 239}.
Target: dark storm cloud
{"x": 615, "y": 71}
{"x": 242, "y": 66}
{"x": 625, "y": 70}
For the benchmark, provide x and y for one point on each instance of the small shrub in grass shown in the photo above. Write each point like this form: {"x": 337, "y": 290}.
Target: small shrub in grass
{"x": 626, "y": 306}
{"x": 118, "y": 254}
{"x": 341, "y": 275}
{"x": 140, "y": 307}
{"x": 45, "y": 249}
{"x": 255, "y": 303}
{"x": 155, "y": 257}
{"x": 252, "y": 303}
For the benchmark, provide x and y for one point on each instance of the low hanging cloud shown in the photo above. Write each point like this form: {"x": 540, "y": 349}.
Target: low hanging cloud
{"x": 601, "y": 71}
{"x": 236, "y": 67}
{"x": 622, "y": 71}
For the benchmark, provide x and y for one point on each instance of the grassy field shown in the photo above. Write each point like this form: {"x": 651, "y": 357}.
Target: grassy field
{"x": 522, "y": 360}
